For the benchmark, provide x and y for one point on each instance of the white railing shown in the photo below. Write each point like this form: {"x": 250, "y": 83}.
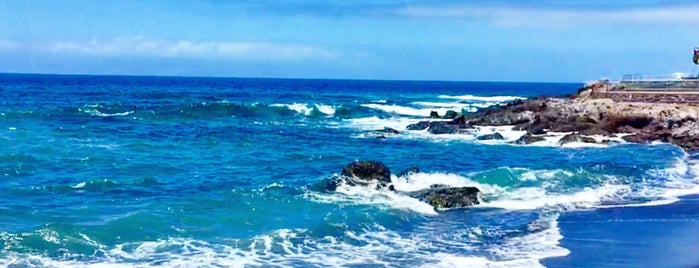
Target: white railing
{"x": 652, "y": 77}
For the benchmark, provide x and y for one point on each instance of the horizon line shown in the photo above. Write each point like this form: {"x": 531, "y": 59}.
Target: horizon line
{"x": 284, "y": 78}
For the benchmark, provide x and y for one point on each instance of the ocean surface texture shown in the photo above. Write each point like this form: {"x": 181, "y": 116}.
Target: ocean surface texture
{"x": 213, "y": 172}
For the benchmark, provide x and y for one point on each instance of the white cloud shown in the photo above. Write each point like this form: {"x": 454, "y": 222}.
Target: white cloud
{"x": 146, "y": 47}
{"x": 557, "y": 17}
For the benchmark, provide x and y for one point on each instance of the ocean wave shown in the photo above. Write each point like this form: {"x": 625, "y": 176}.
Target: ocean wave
{"x": 375, "y": 122}
{"x": 412, "y": 111}
{"x": 510, "y": 136}
{"x": 542, "y": 242}
{"x": 309, "y": 110}
{"x": 361, "y": 195}
{"x": 442, "y": 107}
{"x": 95, "y": 112}
{"x": 519, "y": 196}
{"x": 481, "y": 98}
{"x": 525, "y": 189}
{"x": 88, "y": 185}
{"x": 374, "y": 245}
{"x": 682, "y": 178}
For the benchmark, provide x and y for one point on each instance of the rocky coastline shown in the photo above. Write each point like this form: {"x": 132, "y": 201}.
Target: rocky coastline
{"x": 581, "y": 116}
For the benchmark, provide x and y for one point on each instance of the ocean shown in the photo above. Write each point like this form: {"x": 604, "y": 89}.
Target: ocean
{"x": 113, "y": 171}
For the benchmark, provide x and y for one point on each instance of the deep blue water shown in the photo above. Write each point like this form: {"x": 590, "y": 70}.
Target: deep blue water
{"x": 137, "y": 171}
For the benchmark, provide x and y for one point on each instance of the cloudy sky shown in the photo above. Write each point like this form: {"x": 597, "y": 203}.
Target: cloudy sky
{"x": 496, "y": 40}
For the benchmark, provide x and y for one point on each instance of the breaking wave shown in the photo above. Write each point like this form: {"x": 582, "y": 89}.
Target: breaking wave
{"x": 525, "y": 189}
{"x": 481, "y": 98}
{"x": 372, "y": 245}
{"x": 309, "y": 110}
{"x": 413, "y": 111}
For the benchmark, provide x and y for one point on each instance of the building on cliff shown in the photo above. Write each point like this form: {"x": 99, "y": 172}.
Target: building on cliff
{"x": 675, "y": 88}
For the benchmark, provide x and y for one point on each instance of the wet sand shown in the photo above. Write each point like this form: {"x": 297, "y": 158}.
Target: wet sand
{"x": 658, "y": 236}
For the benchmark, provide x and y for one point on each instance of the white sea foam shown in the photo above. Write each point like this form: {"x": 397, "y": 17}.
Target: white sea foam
{"x": 542, "y": 242}
{"x": 523, "y": 198}
{"x": 509, "y": 135}
{"x": 374, "y": 123}
{"x": 682, "y": 178}
{"x": 373, "y": 246}
{"x": 418, "y": 181}
{"x": 410, "y": 111}
{"x": 494, "y": 196}
{"x": 307, "y": 109}
{"x": 482, "y": 98}
{"x": 78, "y": 185}
{"x": 368, "y": 195}
{"x": 93, "y": 111}
{"x": 530, "y": 198}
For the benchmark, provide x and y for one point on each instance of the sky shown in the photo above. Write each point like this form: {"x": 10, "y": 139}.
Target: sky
{"x": 496, "y": 40}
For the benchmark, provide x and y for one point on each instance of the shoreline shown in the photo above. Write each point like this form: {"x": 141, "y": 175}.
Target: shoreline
{"x": 643, "y": 236}
{"x": 582, "y": 115}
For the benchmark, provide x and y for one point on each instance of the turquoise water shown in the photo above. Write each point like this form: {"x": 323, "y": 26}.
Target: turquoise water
{"x": 138, "y": 171}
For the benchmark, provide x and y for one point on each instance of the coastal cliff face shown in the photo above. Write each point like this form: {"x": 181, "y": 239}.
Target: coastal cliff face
{"x": 582, "y": 117}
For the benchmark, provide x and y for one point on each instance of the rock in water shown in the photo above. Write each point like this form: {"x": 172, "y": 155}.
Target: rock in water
{"x": 574, "y": 137}
{"x": 419, "y": 125}
{"x": 434, "y": 114}
{"x": 365, "y": 172}
{"x": 529, "y": 139}
{"x": 442, "y": 128}
{"x": 451, "y": 114}
{"x": 494, "y": 136}
{"x": 389, "y": 130}
{"x": 441, "y": 196}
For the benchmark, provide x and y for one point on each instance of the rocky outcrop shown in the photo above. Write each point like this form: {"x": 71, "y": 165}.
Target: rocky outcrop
{"x": 451, "y": 114}
{"x": 441, "y": 196}
{"x": 422, "y": 125}
{"x": 583, "y": 114}
{"x": 439, "y": 127}
{"x": 366, "y": 173}
{"x": 494, "y": 136}
{"x": 529, "y": 139}
{"x": 383, "y": 133}
{"x": 575, "y": 137}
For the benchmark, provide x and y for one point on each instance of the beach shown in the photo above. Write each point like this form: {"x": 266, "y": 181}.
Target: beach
{"x": 611, "y": 237}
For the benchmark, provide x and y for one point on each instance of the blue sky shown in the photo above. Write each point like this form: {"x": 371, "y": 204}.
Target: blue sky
{"x": 498, "y": 40}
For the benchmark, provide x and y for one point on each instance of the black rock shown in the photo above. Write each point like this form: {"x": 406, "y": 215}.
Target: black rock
{"x": 536, "y": 128}
{"x": 636, "y": 138}
{"x": 441, "y": 196}
{"x": 529, "y": 139}
{"x": 442, "y": 128}
{"x": 597, "y": 131}
{"x": 636, "y": 122}
{"x": 494, "y": 136}
{"x": 564, "y": 127}
{"x": 575, "y": 137}
{"x": 419, "y": 125}
{"x": 451, "y": 114}
{"x": 459, "y": 121}
{"x": 389, "y": 130}
{"x": 364, "y": 172}
{"x": 434, "y": 114}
